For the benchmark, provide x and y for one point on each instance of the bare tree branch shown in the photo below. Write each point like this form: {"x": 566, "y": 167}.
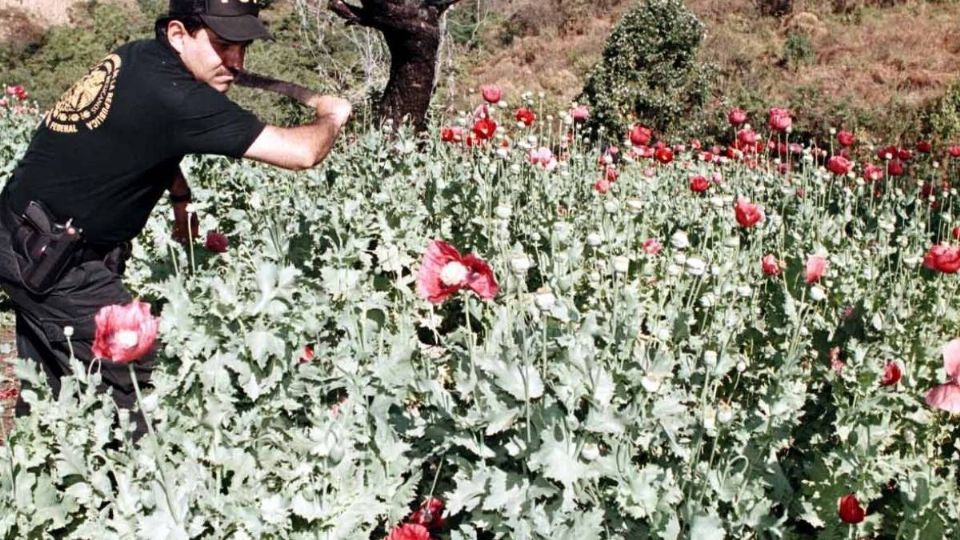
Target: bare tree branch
{"x": 347, "y": 12}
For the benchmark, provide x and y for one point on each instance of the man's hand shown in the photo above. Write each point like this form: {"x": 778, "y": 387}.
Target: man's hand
{"x": 180, "y": 220}
{"x": 334, "y": 108}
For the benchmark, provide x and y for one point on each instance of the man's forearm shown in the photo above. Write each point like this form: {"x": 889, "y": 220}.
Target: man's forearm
{"x": 179, "y": 189}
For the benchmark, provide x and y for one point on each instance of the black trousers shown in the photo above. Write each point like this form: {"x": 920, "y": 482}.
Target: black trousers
{"x": 74, "y": 301}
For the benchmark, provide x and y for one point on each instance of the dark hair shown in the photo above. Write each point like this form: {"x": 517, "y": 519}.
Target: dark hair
{"x": 192, "y": 23}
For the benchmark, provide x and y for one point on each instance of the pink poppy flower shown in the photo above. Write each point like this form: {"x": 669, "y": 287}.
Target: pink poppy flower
{"x": 815, "y": 268}
{"x": 307, "y": 355}
{"x": 409, "y": 531}
{"x": 444, "y": 271}
{"x": 779, "y": 119}
{"x": 640, "y": 135}
{"x": 651, "y": 246}
{"x": 770, "y": 265}
{"x": 491, "y": 93}
{"x": 542, "y": 157}
{"x": 602, "y": 186}
{"x": 747, "y": 213}
{"x": 947, "y": 396}
{"x": 736, "y": 116}
{"x": 125, "y": 332}
{"x": 872, "y": 173}
{"x": 580, "y": 113}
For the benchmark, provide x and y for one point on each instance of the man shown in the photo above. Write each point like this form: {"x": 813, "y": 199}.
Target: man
{"x": 102, "y": 158}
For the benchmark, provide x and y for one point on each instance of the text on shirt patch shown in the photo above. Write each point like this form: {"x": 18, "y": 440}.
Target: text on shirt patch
{"x": 87, "y": 102}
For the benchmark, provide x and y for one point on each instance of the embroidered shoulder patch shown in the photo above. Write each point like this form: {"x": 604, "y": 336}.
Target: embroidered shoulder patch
{"x": 87, "y": 102}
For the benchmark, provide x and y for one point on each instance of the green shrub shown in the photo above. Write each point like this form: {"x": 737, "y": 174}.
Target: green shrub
{"x": 798, "y": 50}
{"x": 649, "y": 71}
{"x": 941, "y": 119}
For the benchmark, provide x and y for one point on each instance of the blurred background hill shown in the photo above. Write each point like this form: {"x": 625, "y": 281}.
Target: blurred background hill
{"x": 885, "y": 68}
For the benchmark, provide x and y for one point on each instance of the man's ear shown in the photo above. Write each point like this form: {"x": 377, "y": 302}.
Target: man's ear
{"x": 176, "y": 33}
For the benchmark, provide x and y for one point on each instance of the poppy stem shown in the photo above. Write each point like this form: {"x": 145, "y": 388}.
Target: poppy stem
{"x": 163, "y": 479}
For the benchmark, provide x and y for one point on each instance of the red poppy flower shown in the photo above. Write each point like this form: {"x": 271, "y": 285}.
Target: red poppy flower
{"x": 924, "y": 147}
{"x": 839, "y": 165}
{"x": 216, "y": 242}
{"x": 611, "y": 174}
{"x": 409, "y": 531}
{"x": 664, "y": 155}
{"x": 747, "y": 213}
{"x": 125, "y": 332}
{"x": 699, "y": 184}
{"x": 779, "y": 119}
{"x": 736, "y": 116}
{"x": 491, "y": 93}
{"x": 891, "y": 374}
{"x": 904, "y": 154}
{"x": 947, "y": 396}
{"x": 444, "y": 271}
{"x": 850, "y": 510}
{"x": 943, "y": 258}
{"x": 525, "y": 116}
{"x": 429, "y": 515}
{"x": 955, "y": 233}
{"x": 846, "y": 138}
{"x": 895, "y": 168}
{"x": 484, "y": 128}
{"x": 18, "y": 91}
{"x": 954, "y": 150}
{"x": 602, "y": 186}
{"x": 770, "y": 265}
{"x": 640, "y": 135}
{"x": 451, "y": 134}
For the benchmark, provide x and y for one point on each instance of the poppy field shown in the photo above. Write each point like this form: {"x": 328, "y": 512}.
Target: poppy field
{"x": 506, "y": 329}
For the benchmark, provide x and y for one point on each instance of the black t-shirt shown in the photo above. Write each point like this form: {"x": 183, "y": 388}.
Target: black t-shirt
{"x": 109, "y": 148}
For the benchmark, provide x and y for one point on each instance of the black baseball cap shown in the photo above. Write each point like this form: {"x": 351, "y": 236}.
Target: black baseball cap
{"x": 232, "y": 20}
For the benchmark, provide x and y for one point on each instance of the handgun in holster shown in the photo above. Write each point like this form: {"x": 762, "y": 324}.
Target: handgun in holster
{"x": 48, "y": 247}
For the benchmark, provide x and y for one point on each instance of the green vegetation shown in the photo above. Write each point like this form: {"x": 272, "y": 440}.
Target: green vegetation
{"x": 650, "y": 72}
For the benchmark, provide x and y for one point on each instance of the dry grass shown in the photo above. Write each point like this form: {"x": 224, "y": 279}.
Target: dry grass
{"x": 47, "y": 12}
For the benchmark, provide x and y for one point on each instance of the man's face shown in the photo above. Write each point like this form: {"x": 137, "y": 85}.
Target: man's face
{"x": 210, "y": 58}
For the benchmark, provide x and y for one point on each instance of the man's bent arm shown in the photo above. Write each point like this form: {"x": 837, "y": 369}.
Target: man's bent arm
{"x": 302, "y": 147}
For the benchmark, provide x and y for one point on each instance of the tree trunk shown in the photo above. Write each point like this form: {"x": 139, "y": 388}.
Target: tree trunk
{"x": 411, "y": 29}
